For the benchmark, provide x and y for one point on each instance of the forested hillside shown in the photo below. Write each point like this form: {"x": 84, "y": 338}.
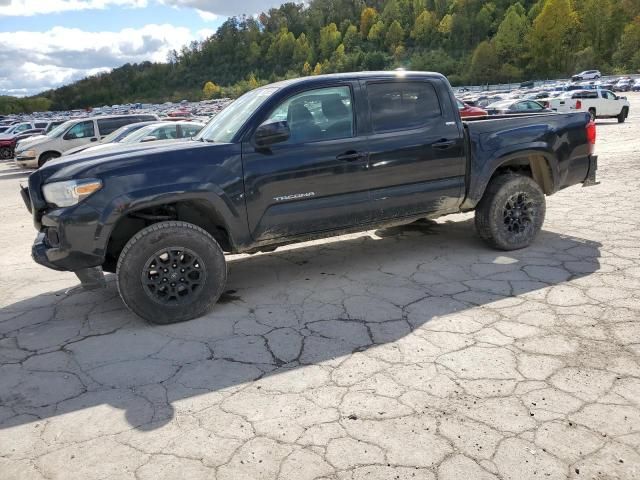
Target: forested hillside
{"x": 471, "y": 41}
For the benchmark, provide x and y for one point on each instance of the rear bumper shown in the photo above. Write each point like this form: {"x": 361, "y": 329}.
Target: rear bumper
{"x": 591, "y": 176}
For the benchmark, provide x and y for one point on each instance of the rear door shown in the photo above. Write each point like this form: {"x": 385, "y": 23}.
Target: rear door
{"x": 316, "y": 180}
{"x": 417, "y": 154}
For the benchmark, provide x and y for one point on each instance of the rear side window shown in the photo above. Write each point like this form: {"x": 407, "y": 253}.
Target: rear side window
{"x": 402, "y": 105}
{"x": 41, "y": 125}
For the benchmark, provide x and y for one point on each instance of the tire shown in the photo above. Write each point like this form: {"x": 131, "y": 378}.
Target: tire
{"x": 511, "y": 212}
{"x": 162, "y": 301}
{"x": 6, "y": 153}
{"x": 45, "y": 157}
{"x": 623, "y": 115}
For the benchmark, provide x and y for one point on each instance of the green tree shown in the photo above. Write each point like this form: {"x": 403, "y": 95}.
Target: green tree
{"x": 330, "y": 38}
{"x": 552, "y": 36}
{"x": 484, "y": 63}
{"x": 512, "y": 32}
{"x": 395, "y": 36}
{"x": 352, "y": 39}
{"x": 425, "y": 28}
{"x": 628, "y": 54}
{"x": 377, "y": 34}
{"x": 302, "y": 51}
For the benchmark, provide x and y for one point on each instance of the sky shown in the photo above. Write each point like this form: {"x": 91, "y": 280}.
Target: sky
{"x": 48, "y": 43}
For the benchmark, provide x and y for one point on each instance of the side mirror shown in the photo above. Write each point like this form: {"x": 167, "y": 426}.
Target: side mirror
{"x": 149, "y": 138}
{"x": 70, "y": 136}
{"x": 270, "y": 133}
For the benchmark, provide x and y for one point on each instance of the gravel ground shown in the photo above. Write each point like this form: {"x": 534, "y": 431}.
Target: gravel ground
{"x": 408, "y": 353}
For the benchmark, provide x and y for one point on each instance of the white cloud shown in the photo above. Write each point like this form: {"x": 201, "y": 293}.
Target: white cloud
{"x": 207, "y": 16}
{"x": 38, "y": 7}
{"x": 34, "y": 61}
{"x": 227, "y": 7}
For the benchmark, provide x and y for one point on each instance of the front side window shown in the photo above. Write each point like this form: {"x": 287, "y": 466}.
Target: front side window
{"x": 81, "y": 130}
{"x": 167, "y": 132}
{"x": 608, "y": 95}
{"x": 402, "y": 105}
{"x": 315, "y": 115}
{"x": 22, "y": 127}
{"x": 190, "y": 130}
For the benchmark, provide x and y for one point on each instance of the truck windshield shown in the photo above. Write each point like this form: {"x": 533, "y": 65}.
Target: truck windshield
{"x": 224, "y": 126}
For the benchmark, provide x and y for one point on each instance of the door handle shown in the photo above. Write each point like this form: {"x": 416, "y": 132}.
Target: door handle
{"x": 443, "y": 144}
{"x": 351, "y": 156}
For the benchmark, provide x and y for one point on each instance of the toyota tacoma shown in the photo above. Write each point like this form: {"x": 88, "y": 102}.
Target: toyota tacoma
{"x": 292, "y": 161}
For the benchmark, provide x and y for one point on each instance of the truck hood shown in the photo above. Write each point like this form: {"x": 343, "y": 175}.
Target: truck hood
{"x": 117, "y": 156}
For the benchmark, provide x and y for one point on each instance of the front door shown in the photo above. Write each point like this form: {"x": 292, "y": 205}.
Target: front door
{"x": 417, "y": 156}
{"x": 316, "y": 180}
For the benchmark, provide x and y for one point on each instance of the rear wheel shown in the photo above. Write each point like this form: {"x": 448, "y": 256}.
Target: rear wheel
{"x": 45, "y": 157}
{"x": 511, "y": 212}
{"x": 623, "y": 115}
{"x": 6, "y": 153}
{"x": 171, "y": 272}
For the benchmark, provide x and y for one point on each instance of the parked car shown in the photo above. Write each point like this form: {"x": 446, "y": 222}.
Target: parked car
{"x": 636, "y": 86}
{"x": 153, "y": 132}
{"x": 467, "y": 111}
{"x": 623, "y": 85}
{"x": 518, "y": 106}
{"x": 112, "y": 138}
{"x": 36, "y": 151}
{"x": 8, "y": 143}
{"x": 587, "y": 75}
{"x": 287, "y": 162}
{"x": 599, "y": 103}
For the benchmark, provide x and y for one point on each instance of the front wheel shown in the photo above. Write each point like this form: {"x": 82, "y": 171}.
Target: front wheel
{"x": 171, "y": 272}
{"x": 623, "y": 115}
{"x": 6, "y": 153}
{"x": 511, "y": 212}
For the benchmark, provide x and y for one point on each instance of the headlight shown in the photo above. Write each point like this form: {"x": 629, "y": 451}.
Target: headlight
{"x": 66, "y": 194}
{"x": 27, "y": 153}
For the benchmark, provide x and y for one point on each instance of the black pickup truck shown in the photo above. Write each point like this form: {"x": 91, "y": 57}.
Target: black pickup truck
{"x": 292, "y": 161}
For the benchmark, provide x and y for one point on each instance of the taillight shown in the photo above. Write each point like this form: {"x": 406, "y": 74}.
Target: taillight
{"x": 578, "y": 105}
{"x": 591, "y": 136}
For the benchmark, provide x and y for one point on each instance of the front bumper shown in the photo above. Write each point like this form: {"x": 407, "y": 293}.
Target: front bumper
{"x": 591, "y": 176}
{"x": 26, "y": 162}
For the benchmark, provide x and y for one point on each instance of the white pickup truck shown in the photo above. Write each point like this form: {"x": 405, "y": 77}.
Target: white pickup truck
{"x": 599, "y": 103}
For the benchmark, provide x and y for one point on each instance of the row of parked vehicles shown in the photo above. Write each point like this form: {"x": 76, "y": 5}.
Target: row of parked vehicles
{"x": 33, "y": 147}
{"x": 599, "y": 102}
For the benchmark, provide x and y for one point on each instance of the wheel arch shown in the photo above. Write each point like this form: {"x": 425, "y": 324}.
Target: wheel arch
{"x": 538, "y": 164}
{"x": 199, "y": 211}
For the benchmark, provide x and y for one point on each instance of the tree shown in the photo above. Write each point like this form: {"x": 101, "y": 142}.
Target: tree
{"x": 511, "y": 35}
{"x": 394, "y": 36}
{"x": 376, "y": 34}
{"x": 484, "y": 63}
{"x": 368, "y": 18}
{"x": 425, "y": 28}
{"x": 330, "y": 38}
{"x": 210, "y": 90}
{"x": 552, "y": 36}
{"x": 628, "y": 53}
{"x": 352, "y": 38}
{"x": 302, "y": 51}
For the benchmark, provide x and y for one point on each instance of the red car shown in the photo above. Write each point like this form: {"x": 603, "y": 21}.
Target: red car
{"x": 8, "y": 142}
{"x": 469, "y": 111}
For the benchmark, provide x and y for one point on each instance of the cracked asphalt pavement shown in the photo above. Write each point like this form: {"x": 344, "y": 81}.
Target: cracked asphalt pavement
{"x": 405, "y": 353}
